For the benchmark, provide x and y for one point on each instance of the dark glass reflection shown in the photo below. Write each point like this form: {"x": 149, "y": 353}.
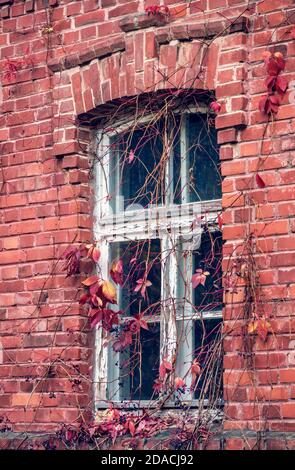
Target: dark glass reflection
{"x": 136, "y": 173}
{"x": 139, "y": 258}
{"x": 204, "y": 174}
{"x": 208, "y": 258}
{"x": 139, "y": 365}
{"x": 208, "y": 354}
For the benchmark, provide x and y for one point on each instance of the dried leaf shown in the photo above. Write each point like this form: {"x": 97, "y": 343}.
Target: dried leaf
{"x": 142, "y": 284}
{"x": 259, "y": 181}
{"x": 199, "y": 278}
{"x": 131, "y": 427}
{"x": 252, "y": 327}
{"x": 90, "y": 280}
{"x": 196, "y": 368}
{"x": 215, "y": 106}
{"x": 179, "y": 383}
{"x": 109, "y": 292}
{"x": 96, "y": 254}
{"x": 263, "y": 328}
{"x": 116, "y": 272}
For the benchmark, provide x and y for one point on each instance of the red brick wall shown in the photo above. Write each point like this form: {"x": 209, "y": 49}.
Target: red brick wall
{"x": 86, "y": 53}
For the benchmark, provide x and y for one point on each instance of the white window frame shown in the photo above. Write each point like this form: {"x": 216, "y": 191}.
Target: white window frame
{"x": 133, "y": 222}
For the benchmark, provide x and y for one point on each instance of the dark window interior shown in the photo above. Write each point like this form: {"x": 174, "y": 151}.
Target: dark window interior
{"x": 139, "y": 365}
{"x": 203, "y": 168}
{"x": 140, "y": 176}
{"x": 208, "y": 258}
{"x": 208, "y": 353}
{"x": 139, "y": 257}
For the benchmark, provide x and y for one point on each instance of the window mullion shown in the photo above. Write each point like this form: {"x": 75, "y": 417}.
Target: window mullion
{"x": 102, "y": 356}
{"x": 184, "y": 159}
{"x": 169, "y": 166}
{"x": 185, "y": 351}
{"x": 184, "y": 320}
{"x": 168, "y": 292}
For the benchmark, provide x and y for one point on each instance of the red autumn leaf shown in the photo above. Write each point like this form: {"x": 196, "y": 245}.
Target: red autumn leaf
{"x": 162, "y": 371}
{"x": 142, "y": 284}
{"x": 273, "y": 67}
{"x": 89, "y": 249}
{"x": 139, "y": 320}
{"x": 95, "y": 254}
{"x": 165, "y": 368}
{"x": 96, "y": 301}
{"x": 199, "y": 278}
{"x": 116, "y": 272}
{"x": 72, "y": 257}
{"x": 273, "y": 104}
{"x": 114, "y": 414}
{"x": 90, "y": 280}
{"x": 84, "y": 299}
{"x": 220, "y": 221}
{"x": 109, "y": 319}
{"x": 293, "y": 32}
{"x": 275, "y": 64}
{"x": 157, "y": 10}
{"x": 131, "y": 427}
{"x": 215, "y": 106}
{"x": 106, "y": 316}
{"x": 196, "y": 368}
{"x": 196, "y": 372}
{"x": 270, "y": 83}
{"x": 269, "y": 104}
{"x": 95, "y": 319}
{"x": 94, "y": 288}
{"x": 281, "y": 85}
{"x": 158, "y": 386}
{"x": 259, "y": 181}
{"x": 124, "y": 340}
{"x": 144, "y": 324}
{"x": 179, "y": 383}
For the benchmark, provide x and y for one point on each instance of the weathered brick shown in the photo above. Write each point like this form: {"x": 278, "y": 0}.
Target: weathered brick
{"x": 109, "y": 50}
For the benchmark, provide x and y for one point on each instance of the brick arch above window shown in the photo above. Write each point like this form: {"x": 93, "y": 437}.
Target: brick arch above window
{"x": 149, "y": 59}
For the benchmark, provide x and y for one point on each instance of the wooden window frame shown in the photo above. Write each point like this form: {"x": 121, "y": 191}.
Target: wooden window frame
{"x": 135, "y": 222}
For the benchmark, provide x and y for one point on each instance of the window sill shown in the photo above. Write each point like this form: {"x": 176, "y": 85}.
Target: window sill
{"x": 148, "y": 404}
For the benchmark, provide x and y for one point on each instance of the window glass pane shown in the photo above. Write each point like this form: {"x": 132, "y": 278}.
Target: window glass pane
{"x": 196, "y": 172}
{"x": 204, "y": 177}
{"x": 207, "y": 353}
{"x": 135, "y": 170}
{"x": 138, "y": 164}
{"x": 141, "y": 260}
{"x": 139, "y": 365}
{"x": 178, "y": 184}
{"x": 207, "y": 260}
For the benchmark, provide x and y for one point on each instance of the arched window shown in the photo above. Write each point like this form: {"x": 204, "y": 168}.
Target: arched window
{"x": 158, "y": 190}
